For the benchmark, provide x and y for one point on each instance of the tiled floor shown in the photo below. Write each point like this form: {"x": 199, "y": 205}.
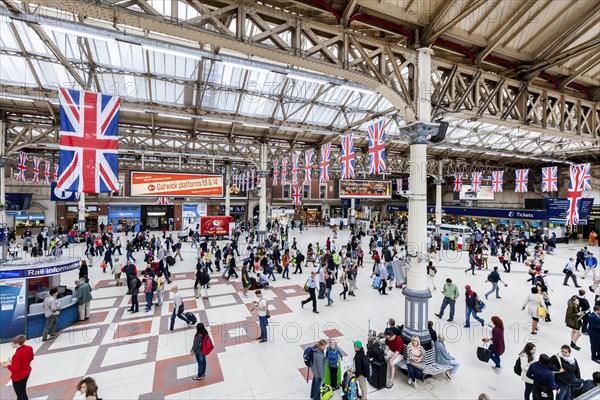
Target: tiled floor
{"x": 132, "y": 355}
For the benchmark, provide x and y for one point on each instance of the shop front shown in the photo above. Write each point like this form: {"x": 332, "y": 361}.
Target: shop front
{"x": 594, "y": 220}
{"x": 124, "y": 217}
{"x": 36, "y": 222}
{"x": 156, "y": 217}
{"x": 313, "y": 215}
{"x": 91, "y": 217}
{"x": 191, "y": 213}
{"x": 237, "y": 211}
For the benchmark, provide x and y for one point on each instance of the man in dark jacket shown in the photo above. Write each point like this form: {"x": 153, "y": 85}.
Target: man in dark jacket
{"x": 564, "y": 362}
{"x": 543, "y": 378}
{"x": 318, "y": 369}
{"x": 362, "y": 368}
{"x": 594, "y": 333}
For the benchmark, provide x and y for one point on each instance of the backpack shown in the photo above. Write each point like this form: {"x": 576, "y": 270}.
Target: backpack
{"x": 207, "y": 345}
{"x": 154, "y": 285}
{"x": 489, "y": 277}
{"x": 517, "y": 368}
{"x": 308, "y": 356}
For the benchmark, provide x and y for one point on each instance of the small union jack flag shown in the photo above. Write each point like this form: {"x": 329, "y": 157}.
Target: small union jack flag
{"x": 497, "y": 181}
{"x": 476, "y": 181}
{"x": 295, "y": 158}
{"x": 253, "y": 179}
{"x": 308, "y": 160}
{"x": 550, "y": 179}
{"x": 22, "y": 166}
{"x": 46, "y": 173}
{"x": 297, "y": 195}
{"x": 284, "y": 163}
{"x": 587, "y": 176}
{"x": 257, "y": 181}
{"x": 36, "y": 170}
{"x": 275, "y": 172}
{"x": 576, "y": 178}
{"x": 376, "y": 148}
{"x": 398, "y": 185}
{"x": 347, "y": 156}
{"x": 324, "y": 163}
{"x": 521, "y": 177}
{"x": 163, "y": 201}
{"x": 55, "y": 172}
{"x": 457, "y": 182}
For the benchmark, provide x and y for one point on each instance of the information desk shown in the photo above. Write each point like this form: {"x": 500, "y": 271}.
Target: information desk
{"x": 23, "y": 287}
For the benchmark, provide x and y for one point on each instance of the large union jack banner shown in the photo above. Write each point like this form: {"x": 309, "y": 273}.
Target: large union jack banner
{"x": 324, "y": 163}
{"x": 376, "y": 148}
{"x": 22, "y": 166}
{"x": 275, "y": 172}
{"x": 550, "y": 179}
{"x": 347, "y": 156}
{"x": 476, "y": 182}
{"x": 457, "y": 182}
{"x": 284, "y": 163}
{"x": 521, "y": 177}
{"x": 36, "y": 170}
{"x": 295, "y": 158}
{"x": 297, "y": 196}
{"x": 576, "y": 184}
{"x": 89, "y": 142}
{"x": 497, "y": 181}
{"x": 308, "y": 160}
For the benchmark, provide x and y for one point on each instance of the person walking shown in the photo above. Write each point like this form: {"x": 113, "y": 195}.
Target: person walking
{"x": 318, "y": 369}
{"x": 321, "y": 278}
{"x": 19, "y": 365}
{"x": 362, "y": 368}
{"x": 51, "y": 311}
{"x": 383, "y": 274}
{"x": 160, "y": 288}
{"x": 526, "y": 358}
{"x": 286, "y": 259}
{"x": 580, "y": 258}
{"x": 262, "y": 309}
{"x": 431, "y": 272}
{"x": 536, "y": 308}
{"x": 472, "y": 307}
{"x": 594, "y": 333}
{"x": 566, "y": 370}
{"x": 201, "y": 347}
{"x": 329, "y": 281}
{"x": 573, "y": 321}
{"x": 443, "y": 357}
{"x": 543, "y": 379}
{"x": 135, "y": 290}
{"x": 88, "y": 388}
{"x": 569, "y": 271}
{"x": 591, "y": 264}
{"x": 84, "y": 297}
{"x": 130, "y": 270}
{"x": 178, "y": 309}
{"x": 148, "y": 293}
{"x": 450, "y": 292}
{"x": 497, "y": 339}
{"x": 311, "y": 286}
{"x": 494, "y": 278}
{"x": 344, "y": 282}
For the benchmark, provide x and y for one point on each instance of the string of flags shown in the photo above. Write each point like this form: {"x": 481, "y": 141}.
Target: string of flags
{"x": 22, "y": 170}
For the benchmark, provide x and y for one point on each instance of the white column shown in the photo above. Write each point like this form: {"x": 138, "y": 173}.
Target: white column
{"x": 81, "y": 212}
{"x": 438, "y": 194}
{"x": 352, "y": 216}
{"x": 143, "y": 161}
{"x": 3, "y": 223}
{"x": 262, "y": 205}
{"x": 227, "y": 188}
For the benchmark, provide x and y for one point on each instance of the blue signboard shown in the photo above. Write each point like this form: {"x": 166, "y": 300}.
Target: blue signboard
{"x": 194, "y": 210}
{"x": 347, "y": 203}
{"x": 234, "y": 209}
{"x": 3, "y": 234}
{"x": 557, "y": 209}
{"x": 62, "y": 195}
{"x": 13, "y": 311}
{"x": 37, "y": 271}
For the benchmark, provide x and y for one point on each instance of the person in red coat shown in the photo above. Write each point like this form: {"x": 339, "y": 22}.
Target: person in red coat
{"x": 20, "y": 366}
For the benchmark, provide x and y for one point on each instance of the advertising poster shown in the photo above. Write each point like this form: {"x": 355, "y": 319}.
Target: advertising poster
{"x": 365, "y": 189}
{"x": 163, "y": 184}
{"x": 466, "y": 193}
{"x": 13, "y": 305}
{"x": 62, "y": 195}
{"x": 557, "y": 210}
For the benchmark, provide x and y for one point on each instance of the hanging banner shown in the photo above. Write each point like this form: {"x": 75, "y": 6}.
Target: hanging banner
{"x": 13, "y": 306}
{"x": 365, "y": 189}
{"x": 154, "y": 184}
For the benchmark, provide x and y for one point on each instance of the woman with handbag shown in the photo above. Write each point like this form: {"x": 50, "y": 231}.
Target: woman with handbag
{"x": 536, "y": 308}
{"x": 416, "y": 360}
{"x": 573, "y": 321}
{"x": 497, "y": 339}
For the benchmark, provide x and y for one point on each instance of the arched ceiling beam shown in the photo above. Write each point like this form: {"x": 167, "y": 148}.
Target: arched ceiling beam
{"x": 579, "y": 71}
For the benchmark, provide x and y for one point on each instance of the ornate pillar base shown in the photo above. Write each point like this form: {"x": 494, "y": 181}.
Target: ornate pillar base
{"x": 416, "y": 307}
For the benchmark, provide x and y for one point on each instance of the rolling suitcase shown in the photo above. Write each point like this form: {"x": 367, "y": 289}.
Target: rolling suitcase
{"x": 191, "y": 317}
{"x": 378, "y": 374}
{"x": 170, "y": 261}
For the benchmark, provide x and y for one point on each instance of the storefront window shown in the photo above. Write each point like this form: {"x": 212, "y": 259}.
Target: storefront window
{"x": 286, "y": 192}
{"x": 306, "y": 192}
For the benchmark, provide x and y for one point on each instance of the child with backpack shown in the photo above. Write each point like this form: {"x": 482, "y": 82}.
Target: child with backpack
{"x": 349, "y": 386}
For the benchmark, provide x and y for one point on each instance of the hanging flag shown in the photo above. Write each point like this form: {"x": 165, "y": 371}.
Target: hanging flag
{"x": 398, "y": 185}
{"x": 247, "y": 181}
{"x": 257, "y": 181}
{"x": 347, "y": 156}
{"x": 234, "y": 181}
{"x": 22, "y": 166}
{"x": 46, "y": 173}
{"x": 376, "y": 148}
{"x": 275, "y": 172}
{"x": 308, "y": 160}
{"x": 295, "y": 158}
{"x": 324, "y": 163}
{"x": 457, "y": 182}
{"x": 55, "y": 172}
{"x": 550, "y": 179}
{"x": 497, "y": 181}
{"x": 163, "y": 201}
{"x": 284, "y": 171}
{"x": 521, "y": 177}
{"x": 253, "y": 179}
{"x": 476, "y": 182}
{"x": 89, "y": 142}
{"x": 297, "y": 195}
{"x": 36, "y": 170}
{"x": 575, "y": 194}
{"x": 587, "y": 176}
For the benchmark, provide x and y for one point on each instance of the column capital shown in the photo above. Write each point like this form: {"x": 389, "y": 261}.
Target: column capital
{"x": 438, "y": 181}
{"x": 420, "y": 132}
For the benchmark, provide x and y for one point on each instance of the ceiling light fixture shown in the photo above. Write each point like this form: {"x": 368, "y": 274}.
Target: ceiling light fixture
{"x": 82, "y": 34}
{"x": 260, "y": 126}
{"x": 176, "y": 53}
{"x": 174, "y": 116}
{"x": 245, "y": 66}
{"x": 358, "y": 89}
{"x": 307, "y": 79}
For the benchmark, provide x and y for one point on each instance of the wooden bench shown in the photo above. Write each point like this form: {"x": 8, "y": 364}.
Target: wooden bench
{"x": 432, "y": 367}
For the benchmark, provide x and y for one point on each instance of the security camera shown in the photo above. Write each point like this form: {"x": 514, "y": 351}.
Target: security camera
{"x": 405, "y": 193}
